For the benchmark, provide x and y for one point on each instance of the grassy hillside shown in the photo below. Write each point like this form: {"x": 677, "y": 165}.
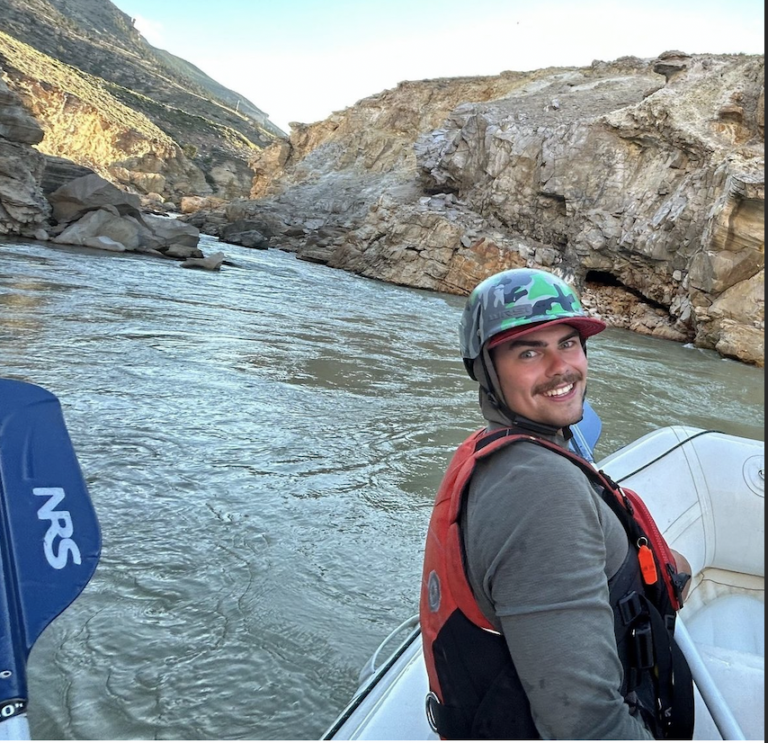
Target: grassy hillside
{"x": 94, "y": 36}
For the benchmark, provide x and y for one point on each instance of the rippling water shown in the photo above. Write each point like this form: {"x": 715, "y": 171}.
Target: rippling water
{"x": 262, "y": 446}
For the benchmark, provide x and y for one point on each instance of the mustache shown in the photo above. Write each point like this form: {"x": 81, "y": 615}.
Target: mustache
{"x": 570, "y": 378}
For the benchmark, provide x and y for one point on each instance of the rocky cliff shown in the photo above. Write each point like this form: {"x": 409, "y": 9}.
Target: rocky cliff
{"x": 53, "y": 199}
{"x": 23, "y": 207}
{"x": 641, "y": 181}
{"x": 140, "y": 117}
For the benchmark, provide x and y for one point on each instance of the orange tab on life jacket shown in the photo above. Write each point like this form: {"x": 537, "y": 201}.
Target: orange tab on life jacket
{"x": 647, "y": 563}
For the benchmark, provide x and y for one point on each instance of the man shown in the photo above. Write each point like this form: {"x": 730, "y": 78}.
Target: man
{"x": 535, "y": 619}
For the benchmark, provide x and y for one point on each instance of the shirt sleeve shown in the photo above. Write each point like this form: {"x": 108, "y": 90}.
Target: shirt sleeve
{"x": 536, "y": 550}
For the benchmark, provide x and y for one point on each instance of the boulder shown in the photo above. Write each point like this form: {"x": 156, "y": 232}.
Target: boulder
{"x": 106, "y": 228}
{"x": 171, "y": 231}
{"x": 249, "y": 233}
{"x": 191, "y": 204}
{"x": 104, "y": 243}
{"x": 87, "y": 192}
{"x": 90, "y": 226}
{"x": 181, "y": 251}
{"x": 211, "y": 263}
{"x": 59, "y": 171}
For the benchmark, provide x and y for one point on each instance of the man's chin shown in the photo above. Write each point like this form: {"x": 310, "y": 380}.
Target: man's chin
{"x": 569, "y": 420}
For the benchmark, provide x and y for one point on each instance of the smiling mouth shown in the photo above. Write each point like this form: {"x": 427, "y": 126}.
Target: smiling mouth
{"x": 559, "y": 391}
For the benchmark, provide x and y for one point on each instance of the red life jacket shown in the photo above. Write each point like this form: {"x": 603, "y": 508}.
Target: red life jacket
{"x": 475, "y": 691}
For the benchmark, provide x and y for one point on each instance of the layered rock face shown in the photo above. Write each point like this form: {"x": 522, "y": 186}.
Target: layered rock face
{"x": 640, "y": 181}
{"x": 23, "y": 207}
{"x": 664, "y": 195}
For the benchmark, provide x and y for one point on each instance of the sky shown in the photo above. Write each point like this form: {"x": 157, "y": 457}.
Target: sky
{"x": 301, "y": 60}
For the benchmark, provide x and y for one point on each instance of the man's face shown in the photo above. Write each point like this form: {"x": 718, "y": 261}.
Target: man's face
{"x": 543, "y": 375}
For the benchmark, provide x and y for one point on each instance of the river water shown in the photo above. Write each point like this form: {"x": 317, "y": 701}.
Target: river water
{"x": 262, "y": 446}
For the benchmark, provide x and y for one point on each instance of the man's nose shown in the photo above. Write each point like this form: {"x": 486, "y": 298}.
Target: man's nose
{"x": 557, "y": 364}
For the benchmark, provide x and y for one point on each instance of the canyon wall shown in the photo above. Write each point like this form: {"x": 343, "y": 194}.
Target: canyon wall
{"x": 640, "y": 181}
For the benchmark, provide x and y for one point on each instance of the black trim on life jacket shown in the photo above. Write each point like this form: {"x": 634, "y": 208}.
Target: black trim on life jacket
{"x": 485, "y": 699}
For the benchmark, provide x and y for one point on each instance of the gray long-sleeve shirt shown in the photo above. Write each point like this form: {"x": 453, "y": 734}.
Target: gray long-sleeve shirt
{"x": 540, "y": 547}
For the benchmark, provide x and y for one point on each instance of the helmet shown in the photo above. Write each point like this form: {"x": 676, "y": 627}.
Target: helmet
{"x": 516, "y": 298}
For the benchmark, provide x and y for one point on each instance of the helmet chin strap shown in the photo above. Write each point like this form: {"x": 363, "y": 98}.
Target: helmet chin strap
{"x": 497, "y": 400}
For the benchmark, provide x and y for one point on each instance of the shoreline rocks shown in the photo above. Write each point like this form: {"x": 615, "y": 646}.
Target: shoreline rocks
{"x": 53, "y": 199}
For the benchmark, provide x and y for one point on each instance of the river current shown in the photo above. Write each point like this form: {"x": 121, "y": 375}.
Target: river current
{"x": 262, "y": 446}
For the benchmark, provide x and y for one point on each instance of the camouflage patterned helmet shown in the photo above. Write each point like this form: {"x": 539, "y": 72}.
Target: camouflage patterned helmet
{"x": 513, "y": 299}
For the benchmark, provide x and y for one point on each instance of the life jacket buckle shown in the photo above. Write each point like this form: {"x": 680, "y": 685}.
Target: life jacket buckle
{"x": 642, "y": 638}
{"x": 631, "y": 607}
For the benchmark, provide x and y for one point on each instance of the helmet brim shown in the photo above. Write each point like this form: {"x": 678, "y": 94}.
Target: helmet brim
{"x": 587, "y": 326}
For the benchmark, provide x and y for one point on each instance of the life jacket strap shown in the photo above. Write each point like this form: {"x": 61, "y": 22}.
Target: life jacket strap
{"x": 450, "y": 723}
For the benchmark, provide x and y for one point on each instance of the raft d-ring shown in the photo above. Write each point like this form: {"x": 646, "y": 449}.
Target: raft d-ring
{"x": 431, "y": 702}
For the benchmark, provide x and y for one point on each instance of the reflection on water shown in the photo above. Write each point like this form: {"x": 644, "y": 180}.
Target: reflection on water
{"x": 638, "y": 384}
{"x": 262, "y": 446}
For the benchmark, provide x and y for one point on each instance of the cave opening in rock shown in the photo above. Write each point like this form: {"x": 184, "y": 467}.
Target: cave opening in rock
{"x": 601, "y": 279}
